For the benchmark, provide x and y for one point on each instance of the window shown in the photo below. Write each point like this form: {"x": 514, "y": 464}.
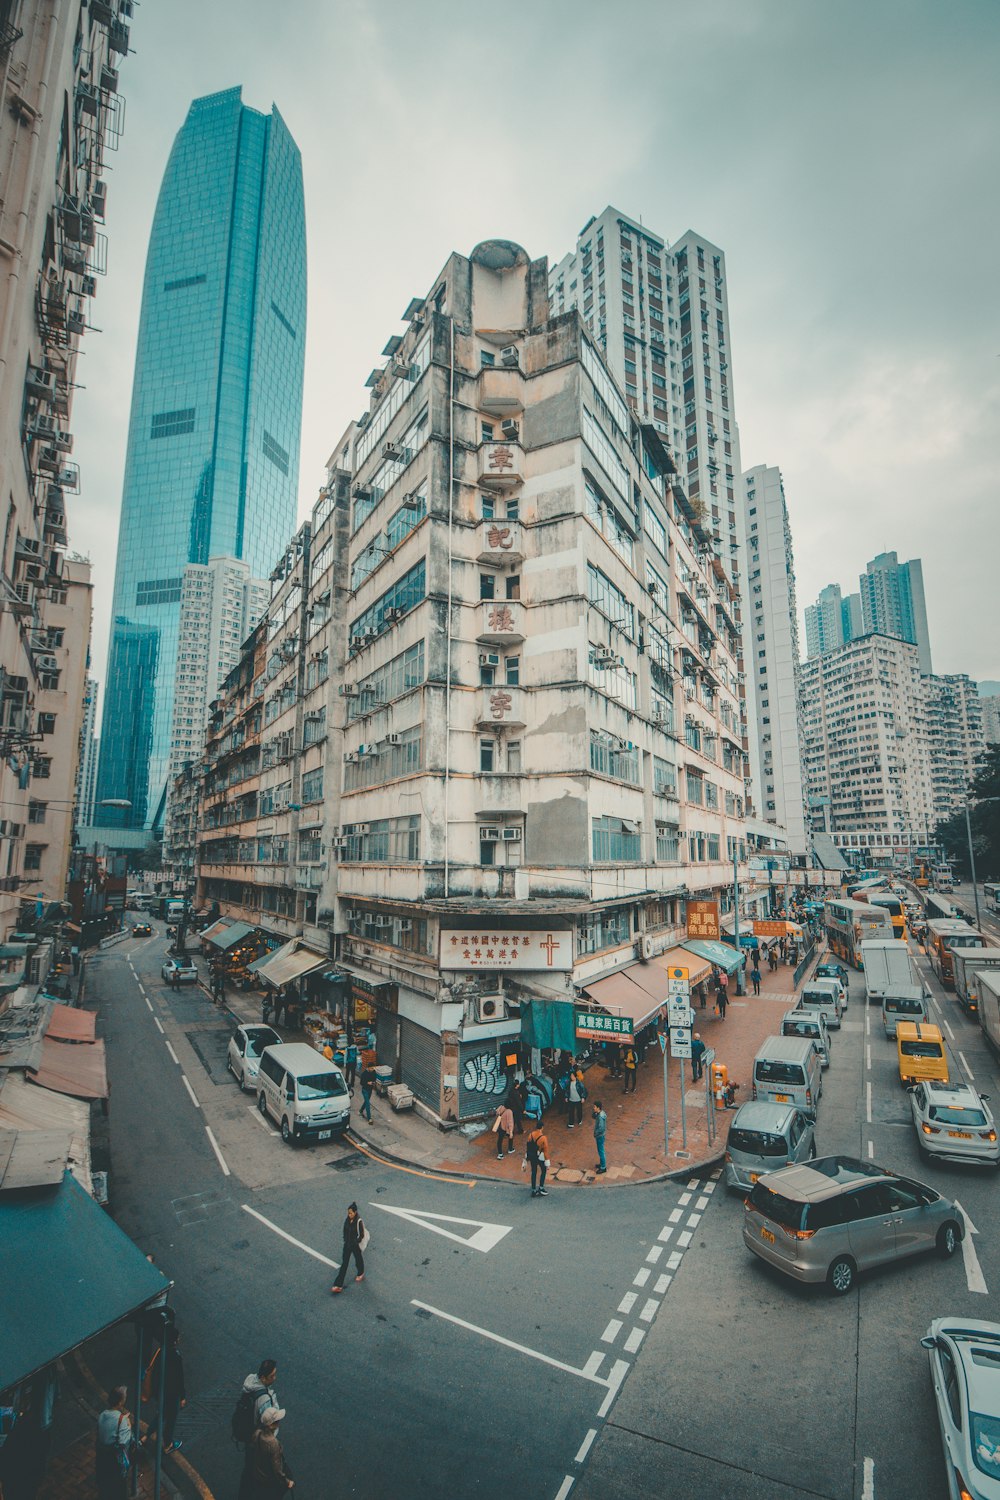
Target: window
{"x": 486, "y": 432}
{"x": 606, "y": 454}
{"x": 603, "y": 929}
{"x": 711, "y": 794}
{"x": 512, "y": 670}
{"x": 487, "y": 585}
{"x": 401, "y": 392}
{"x": 487, "y": 358}
{"x": 312, "y": 785}
{"x": 487, "y": 755}
{"x": 398, "y": 676}
{"x": 386, "y": 761}
{"x": 514, "y": 756}
{"x": 614, "y": 841}
{"x": 36, "y": 812}
{"x": 387, "y": 841}
{"x": 655, "y": 528}
{"x": 667, "y": 844}
{"x": 272, "y": 450}
{"x": 311, "y": 846}
{"x": 288, "y": 327}
{"x": 183, "y": 281}
{"x": 512, "y": 586}
{"x": 33, "y": 856}
{"x": 610, "y": 600}
{"x": 172, "y": 423}
{"x": 610, "y": 758}
{"x": 694, "y": 786}
{"x": 605, "y": 518}
{"x": 403, "y": 595}
{"x": 664, "y": 778}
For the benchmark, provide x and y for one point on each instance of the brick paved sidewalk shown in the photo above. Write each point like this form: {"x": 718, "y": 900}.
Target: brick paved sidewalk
{"x": 70, "y": 1475}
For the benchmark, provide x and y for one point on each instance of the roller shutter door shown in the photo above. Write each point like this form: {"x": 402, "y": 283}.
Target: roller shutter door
{"x": 422, "y": 1062}
{"x": 482, "y": 1081}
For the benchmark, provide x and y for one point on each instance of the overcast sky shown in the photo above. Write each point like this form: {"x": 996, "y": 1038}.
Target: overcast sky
{"x": 844, "y": 155}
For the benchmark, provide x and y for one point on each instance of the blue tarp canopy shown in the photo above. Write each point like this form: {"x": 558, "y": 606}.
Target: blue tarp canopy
{"x": 548, "y": 1023}
{"x": 230, "y": 936}
{"x": 720, "y": 954}
{"x": 69, "y": 1271}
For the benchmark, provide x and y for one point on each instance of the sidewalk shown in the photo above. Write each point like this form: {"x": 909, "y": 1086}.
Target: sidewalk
{"x": 635, "y": 1145}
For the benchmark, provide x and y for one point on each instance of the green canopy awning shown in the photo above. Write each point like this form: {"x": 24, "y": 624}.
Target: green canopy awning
{"x": 230, "y": 936}
{"x": 719, "y": 954}
{"x": 549, "y": 1023}
{"x": 73, "y": 1272}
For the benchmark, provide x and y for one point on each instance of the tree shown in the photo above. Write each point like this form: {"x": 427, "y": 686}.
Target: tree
{"x": 984, "y": 816}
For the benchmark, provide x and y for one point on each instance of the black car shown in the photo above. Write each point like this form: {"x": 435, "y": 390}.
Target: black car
{"x": 833, "y": 970}
{"x": 141, "y": 929}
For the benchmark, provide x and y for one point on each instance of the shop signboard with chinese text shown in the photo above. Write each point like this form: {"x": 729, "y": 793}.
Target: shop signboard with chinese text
{"x": 768, "y": 929}
{"x": 604, "y": 1028}
{"x": 492, "y": 948}
{"x": 703, "y": 919}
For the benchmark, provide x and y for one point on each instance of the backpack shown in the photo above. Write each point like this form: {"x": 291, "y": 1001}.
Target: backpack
{"x": 531, "y": 1149}
{"x": 243, "y": 1424}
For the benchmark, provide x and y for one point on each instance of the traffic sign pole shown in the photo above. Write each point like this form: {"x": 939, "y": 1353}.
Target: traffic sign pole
{"x": 666, "y": 1096}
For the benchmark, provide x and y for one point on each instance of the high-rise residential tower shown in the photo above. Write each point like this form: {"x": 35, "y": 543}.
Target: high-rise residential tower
{"x": 213, "y": 447}
{"x": 832, "y": 621}
{"x": 771, "y": 653}
{"x": 892, "y": 602}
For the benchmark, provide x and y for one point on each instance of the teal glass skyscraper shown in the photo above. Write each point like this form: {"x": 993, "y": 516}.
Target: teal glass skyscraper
{"x": 212, "y": 463}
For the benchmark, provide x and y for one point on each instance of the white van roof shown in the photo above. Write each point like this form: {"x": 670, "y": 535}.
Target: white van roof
{"x": 299, "y": 1057}
{"x": 785, "y": 1049}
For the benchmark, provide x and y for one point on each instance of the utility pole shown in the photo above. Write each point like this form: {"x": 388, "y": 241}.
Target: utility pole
{"x": 740, "y": 986}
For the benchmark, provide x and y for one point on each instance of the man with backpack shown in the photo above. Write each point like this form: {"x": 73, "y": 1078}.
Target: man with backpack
{"x": 257, "y": 1395}
{"x": 536, "y": 1153}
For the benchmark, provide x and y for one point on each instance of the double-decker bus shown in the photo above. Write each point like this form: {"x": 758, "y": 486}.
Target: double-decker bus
{"x": 944, "y": 935}
{"x": 894, "y": 906}
{"x": 992, "y": 894}
{"x": 940, "y": 909}
{"x": 851, "y": 923}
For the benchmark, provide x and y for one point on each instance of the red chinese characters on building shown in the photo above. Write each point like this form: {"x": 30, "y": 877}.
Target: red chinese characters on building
{"x": 500, "y": 538}
{"x": 501, "y": 458}
{"x": 501, "y": 617}
{"x": 500, "y": 704}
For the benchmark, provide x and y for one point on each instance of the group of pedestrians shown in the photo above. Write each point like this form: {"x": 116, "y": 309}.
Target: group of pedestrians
{"x": 537, "y": 1156}
{"x": 119, "y": 1443}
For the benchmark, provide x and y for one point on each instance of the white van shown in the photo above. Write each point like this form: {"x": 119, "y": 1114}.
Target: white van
{"x": 910, "y": 1004}
{"x": 815, "y": 998}
{"x": 812, "y": 1026}
{"x": 787, "y": 1070}
{"x": 303, "y": 1093}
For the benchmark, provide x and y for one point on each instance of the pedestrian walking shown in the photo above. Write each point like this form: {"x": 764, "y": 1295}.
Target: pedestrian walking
{"x": 504, "y": 1128}
{"x": 351, "y": 1064}
{"x": 536, "y": 1154}
{"x": 355, "y": 1241}
{"x": 755, "y": 977}
{"x": 600, "y": 1132}
{"x": 265, "y": 1472}
{"x": 515, "y": 1103}
{"x": 174, "y": 1392}
{"x": 368, "y": 1077}
{"x": 722, "y": 998}
{"x": 697, "y": 1057}
{"x": 631, "y": 1070}
{"x": 772, "y": 961}
{"x": 576, "y": 1092}
{"x": 114, "y": 1448}
{"x": 256, "y": 1396}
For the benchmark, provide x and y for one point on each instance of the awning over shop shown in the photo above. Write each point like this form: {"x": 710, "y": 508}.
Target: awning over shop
{"x": 12, "y": 950}
{"x": 32, "y": 1158}
{"x": 272, "y": 953}
{"x": 285, "y": 966}
{"x": 81, "y": 1072}
{"x": 69, "y": 1025}
{"x": 230, "y": 936}
{"x": 548, "y": 1023}
{"x": 73, "y": 1271}
{"x": 720, "y": 954}
{"x": 214, "y": 928}
{"x": 683, "y": 958}
{"x": 23, "y": 1107}
{"x": 636, "y": 992}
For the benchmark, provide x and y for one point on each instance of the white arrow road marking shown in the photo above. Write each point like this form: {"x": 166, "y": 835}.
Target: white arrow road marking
{"x": 974, "y": 1277}
{"x": 485, "y": 1238}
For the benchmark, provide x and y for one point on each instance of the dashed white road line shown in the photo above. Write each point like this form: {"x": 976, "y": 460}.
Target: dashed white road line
{"x": 649, "y": 1311}
{"x": 871, "y": 1149}
{"x": 634, "y": 1339}
{"x": 173, "y": 1054}
{"x": 654, "y": 1253}
{"x": 868, "y": 1491}
{"x": 676, "y": 1214}
{"x": 947, "y": 1028}
{"x": 868, "y": 1020}
{"x": 215, "y": 1147}
{"x": 868, "y": 1056}
{"x": 612, "y": 1331}
{"x": 149, "y": 1006}
{"x": 673, "y": 1261}
{"x": 586, "y": 1446}
{"x": 665, "y": 1234}
{"x": 641, "y": 1276}
{"x": 693, "y": 1219}
{"x": 685, "y": 1239}
{"x": 868, "y": 1102}
{"x": 619, "y": 1370}
{"x": 971, "y": 1076}
{"x": 565, "y": 1487}
{"x": 159, "y": 1025}
{"x": 628, "y": 1302}
{"x": 194, "y": 1096}
{"x": 702, "y": 1203}
{"x": 662, "y": 1282}
{"x": 684, "y": 1199}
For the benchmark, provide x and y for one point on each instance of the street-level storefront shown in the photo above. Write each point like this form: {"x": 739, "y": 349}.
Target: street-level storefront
{"x": 619, "y": 1005}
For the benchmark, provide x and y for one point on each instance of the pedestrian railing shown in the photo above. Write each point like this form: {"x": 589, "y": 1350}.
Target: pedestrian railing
{"x": 804, "y": 962}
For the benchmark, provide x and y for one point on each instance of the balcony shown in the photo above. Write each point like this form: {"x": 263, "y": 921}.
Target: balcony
{"x": 501, "y": 622}
{"x": 499, "y": 543}
{"x": 497, "y": 794}
{"x": 501, "y": 392}
{"x": 501, "y": 465}
{"x": 501, "y": 708}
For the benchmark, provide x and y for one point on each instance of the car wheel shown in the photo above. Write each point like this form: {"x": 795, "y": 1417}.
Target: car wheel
{"x": 262, "y": 1103}
{"x": 840, "y": 1277}
{"x": 948, "y": 1239}
{"x": 286, "y": 1134}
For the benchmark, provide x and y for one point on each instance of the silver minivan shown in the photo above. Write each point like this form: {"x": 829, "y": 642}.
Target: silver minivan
{"x": 811, "y": 1025}
{"x": 765, "y": 1137}
{"x": 304, "y": 1093}
{"x": 815, "y": 998}
{"x": 787, "y": 1070}
{"x": 908, "y": 1007}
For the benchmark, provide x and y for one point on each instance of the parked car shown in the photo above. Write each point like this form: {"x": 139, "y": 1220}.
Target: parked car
{"x": 837, "y": 1216}
{"x": 764, "y": 1138}
{"x": 141, "y": 929}
{"x": 815, "y": 998}
{"x": 179, "y": 970}
{"x": 808, "y": 1024}
{"x": 245, "y": 1047}
{"x": 955, "y": 1121}
{"x": 833, "y": 970}
{"x": 834, "y": 985}
{"x": 964, "y": 1358}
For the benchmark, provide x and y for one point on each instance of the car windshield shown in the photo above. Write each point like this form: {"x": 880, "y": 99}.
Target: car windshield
{"x": 816, "y": 997}
{"x": 778, "y": 1072}
{"x": 184, "y": 963}
{"x": 906, "y": 1007}
{"x": 785, "y": 1211}
{"x": 258, "y": 1040}
{"x": 920, "y": 1049}
{"x": 321, "y": 1086}
{"x": 758, "y": 1143}
{"x": 952, "y": 1115}
{"x": 986, "y": 1443}
{"x": 968, "y": 940}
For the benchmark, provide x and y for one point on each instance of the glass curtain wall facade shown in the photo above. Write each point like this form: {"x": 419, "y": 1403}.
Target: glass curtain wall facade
{"x": 213, "y": 447}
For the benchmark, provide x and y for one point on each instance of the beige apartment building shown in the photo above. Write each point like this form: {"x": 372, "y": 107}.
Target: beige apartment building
{"x": 495, "y": 692}
{"x": 62, "y": 115}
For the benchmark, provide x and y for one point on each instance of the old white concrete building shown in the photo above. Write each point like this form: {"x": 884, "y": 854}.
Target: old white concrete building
{"x": 957, "y": 738}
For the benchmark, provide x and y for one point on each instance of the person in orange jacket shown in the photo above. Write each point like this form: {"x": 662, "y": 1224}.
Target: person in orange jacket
{"x": 536, "y": 1153}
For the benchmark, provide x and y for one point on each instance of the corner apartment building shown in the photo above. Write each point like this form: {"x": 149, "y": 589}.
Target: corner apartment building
{"x": 957, "y": 739}
{"x": 771, "y": 657}
{"x": 867, "y": 754}
{"x": 497, "y": 687}
{"x": 63, "y": 114}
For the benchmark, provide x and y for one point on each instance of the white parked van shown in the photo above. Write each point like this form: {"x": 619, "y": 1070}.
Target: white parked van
{"x": 303, "y": 1093}
{"x": 787, "y": 1070}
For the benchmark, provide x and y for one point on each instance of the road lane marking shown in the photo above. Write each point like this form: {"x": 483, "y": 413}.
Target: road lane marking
{"x": 564, "y": 1488}
{"x": 654, "y": 1253}
{"x": 702, "y": 1203}
{"x": 290, "y": 1237}
{"x": 649, "y": 1311}
{"x": 486, "y": 1237}
{"x": 678, "y": 1213}
{"x": 594, "y": 1362}
{"x": 868, "y": 1102}
{"x": 159, "y": 1025}
{"x": 684, "y": 1199}
{"x": 965, "y": 1065}
{"x": 194, "y": 1096}
{"x": 142, "y": 989}
{"x": 662, "y": 1282}
{"x": 674, "y": 1260}
{"x": 868, "y": 1056}
{"x": 149, "y": 1006}
{"x": 947, "y": 1028}
{"x": 260, "y": 1119}
{"x": 215, "y": 1147}
{"x": 173, "y": 1054}
{"x": 871, "y": 1149}
{"x": 612, "y": 1331}
{"x": 710, "y": 1186}
{"x": 665, "y": 1234}
{"x": 685, "y": 1239}
{"x": 868, "y": 1492}
{"x": 497, "y": 1338}
{"x": 634, "y": 1339}
{"x": 619, "y": 1370}
{"x": 641, "y": 1277}
{"x": 868, "y": 1020}
{"x": 693, "y": 1220}
{"x": 586, "y": 1446}
{"x": 628, "y": 1302}
{"x": 396, "y": 1166}
{"x": 975, "y": 1280}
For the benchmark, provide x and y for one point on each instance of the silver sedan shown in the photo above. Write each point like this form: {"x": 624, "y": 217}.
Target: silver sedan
{"x": 245, "y": 1047}
{"x": 954, "y": 1121}
{"x": 964, "y": 1358}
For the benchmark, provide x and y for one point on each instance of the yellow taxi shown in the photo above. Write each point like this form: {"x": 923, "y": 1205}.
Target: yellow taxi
{"x": 921, "y": 1054}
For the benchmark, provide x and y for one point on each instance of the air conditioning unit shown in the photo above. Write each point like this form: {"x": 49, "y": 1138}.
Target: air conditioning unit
{"x": 489, "y": 833}
{"x": 340, "y": 842}
{"x": 29, "y": 546}
{"x": 40, "y": 382}
{"x": 392, "y": 615}
{"x": 383, "y": 921}
{"x": 357, "y": 641}
{"x": 392, "y": 739}
{"x": 647, "y": 947}
{"x": 489, "y": 659}
{"x": 509, "y": 356}
{"x": 350, "y": 757}
{"x": 512, "y": 835}
{"x": 347, "y": 690}
{"x": 361, "y": 827}
{"x": 393, "y": 452}
{"x": 401, "y": 367}
{"x": 510, "y": 429}
{"x": 34, "y": 572}
{"x": 489, "y": 1008}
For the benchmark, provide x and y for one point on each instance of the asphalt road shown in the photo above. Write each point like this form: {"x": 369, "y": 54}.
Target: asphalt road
{"x": 597, "y": 1342}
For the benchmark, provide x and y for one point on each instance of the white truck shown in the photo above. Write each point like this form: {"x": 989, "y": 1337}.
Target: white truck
{"x": 888, "y": 968}
{"x": 989, "y": 1006}
{"x": 967, "y": 963}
